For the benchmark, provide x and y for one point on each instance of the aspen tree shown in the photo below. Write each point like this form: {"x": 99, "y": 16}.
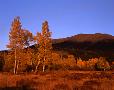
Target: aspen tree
{"x": 28, "y": 40}
{"x": 44, "y": 45}
{"x": 14, "y": 35}
{"x": 18, "y": 38}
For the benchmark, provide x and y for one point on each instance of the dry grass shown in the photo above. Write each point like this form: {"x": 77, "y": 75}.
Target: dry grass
{"x": 58, "y": 80}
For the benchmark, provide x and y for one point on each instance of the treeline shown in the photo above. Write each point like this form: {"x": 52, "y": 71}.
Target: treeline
{"x": 22, "y": 58}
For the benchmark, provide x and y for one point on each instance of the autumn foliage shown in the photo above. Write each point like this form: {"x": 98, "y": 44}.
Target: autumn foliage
{"x": 18, "y": 40}
{"x": 23, "y": 57}
{"x": 44, "y": 42}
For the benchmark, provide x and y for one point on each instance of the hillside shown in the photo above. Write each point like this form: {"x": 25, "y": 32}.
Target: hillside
{"x": 86, "y": 46}
{"x": 85, "y": 37}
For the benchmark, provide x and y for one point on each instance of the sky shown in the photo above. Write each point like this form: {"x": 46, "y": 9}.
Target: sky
{"x": 65, "y": 17}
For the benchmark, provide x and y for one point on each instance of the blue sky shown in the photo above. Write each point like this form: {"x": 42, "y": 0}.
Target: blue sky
{"x": 65, "y": 17}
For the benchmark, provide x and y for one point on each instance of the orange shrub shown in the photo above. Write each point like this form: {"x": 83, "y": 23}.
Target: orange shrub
{"x": 102, "y": 64}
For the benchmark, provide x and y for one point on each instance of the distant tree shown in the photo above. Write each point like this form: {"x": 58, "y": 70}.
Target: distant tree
{"x": 71, "y": 60}
{"x": 44, "y": 45}
{"x": 91, "y": 63}
{"x": 79, "y": 63}
{"x": 55, "y": 58}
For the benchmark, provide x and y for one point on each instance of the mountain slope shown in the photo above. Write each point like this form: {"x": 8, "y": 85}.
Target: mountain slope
{"x": 87, "y": 46}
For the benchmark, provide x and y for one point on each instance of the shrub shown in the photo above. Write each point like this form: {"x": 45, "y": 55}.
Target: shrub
{"x": 102, "y": 64}
{"x": 112, "y": 66}
{"x": 91, "y": 63}
{"x": 9, "y": 65}
{"x": 83, "y": 65}
{"x": 80, "y": 63}
{"x": 94, "y": 63}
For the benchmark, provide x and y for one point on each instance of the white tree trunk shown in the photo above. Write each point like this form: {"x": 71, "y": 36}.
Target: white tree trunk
{"x": 43, "y": 68}
{"x": 37, "y": 66}
{"x": 44, "y": 65}
{"x": 15, "y": 66}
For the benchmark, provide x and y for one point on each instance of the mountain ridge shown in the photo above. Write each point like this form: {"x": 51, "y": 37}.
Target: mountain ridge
{"x": 86, "y": 37}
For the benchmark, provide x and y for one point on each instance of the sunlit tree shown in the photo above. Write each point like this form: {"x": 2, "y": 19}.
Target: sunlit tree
{"x": 28, "y": 38}
{"x": 28, "y": 52}
{"x": 18, "y": 40}
{"x": 44, "y": 45}
{"x": 71, "y": 60}
{"x": 55, "y": 58}
{"x": 15, "y": 39}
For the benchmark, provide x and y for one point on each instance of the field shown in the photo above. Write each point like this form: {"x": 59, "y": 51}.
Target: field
{"x": 58, "y": 80}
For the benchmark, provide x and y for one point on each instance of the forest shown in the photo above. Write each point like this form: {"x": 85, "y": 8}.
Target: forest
{"x": 78, "y": 57}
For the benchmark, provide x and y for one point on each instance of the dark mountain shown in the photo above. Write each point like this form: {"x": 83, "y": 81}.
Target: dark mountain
{"x": 86, "y": 37}
{"x": 86, "y": 46}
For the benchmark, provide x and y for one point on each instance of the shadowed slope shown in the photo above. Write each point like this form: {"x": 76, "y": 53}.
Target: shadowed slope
{"x": 87, "y": 45}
